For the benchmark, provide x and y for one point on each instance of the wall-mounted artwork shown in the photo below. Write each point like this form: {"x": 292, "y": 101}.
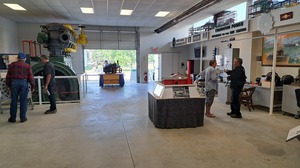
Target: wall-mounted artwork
{"x": 197, "y": 52}
{"x": 288, "y": 50}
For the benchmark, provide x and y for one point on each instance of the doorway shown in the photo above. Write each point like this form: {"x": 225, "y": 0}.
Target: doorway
{"x": 94, "y": 62}
{"x": 154, "y": 73}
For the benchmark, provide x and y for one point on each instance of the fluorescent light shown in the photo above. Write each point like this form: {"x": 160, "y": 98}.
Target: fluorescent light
{"x": 15, "y": 6}
{"x": 162, "y": 14}
{"x": 125, "y": 12}
{"x": 87, "y": 10}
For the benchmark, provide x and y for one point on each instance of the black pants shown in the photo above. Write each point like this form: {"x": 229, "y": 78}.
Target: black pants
{"x": 235, "y": 102}
{"x": 51, "y": 97}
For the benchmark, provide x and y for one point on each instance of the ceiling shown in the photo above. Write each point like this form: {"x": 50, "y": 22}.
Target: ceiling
{"x": 107, "y": 12}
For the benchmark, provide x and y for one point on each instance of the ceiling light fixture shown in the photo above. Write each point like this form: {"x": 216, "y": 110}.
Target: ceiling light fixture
{"x": 126, "y": 12}
{"x": 15, "y": 6}
{"x": 87, "y": 10}
{"x": 191, "y": 11}
{"x": 162, "y": 14}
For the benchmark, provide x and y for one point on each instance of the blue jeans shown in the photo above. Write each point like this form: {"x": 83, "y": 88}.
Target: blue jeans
{"x": 51, "y": 97}
{"x": 19, "y": 88}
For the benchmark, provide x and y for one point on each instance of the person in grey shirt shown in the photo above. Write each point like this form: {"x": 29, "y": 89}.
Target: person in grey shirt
{"x": 211, "y": 86}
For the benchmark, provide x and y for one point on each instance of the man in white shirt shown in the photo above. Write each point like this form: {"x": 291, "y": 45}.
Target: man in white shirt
{"x": 211, "y": 86}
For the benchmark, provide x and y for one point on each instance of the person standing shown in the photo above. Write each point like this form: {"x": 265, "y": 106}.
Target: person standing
{"x": 18, "y": 76}
{"x": 237, "y": 80}
{"x": 49, "y": 83}
{"x": 211, "y": 86}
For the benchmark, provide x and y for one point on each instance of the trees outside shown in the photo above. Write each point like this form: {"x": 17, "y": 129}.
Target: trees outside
{"x": 95, "y": 60}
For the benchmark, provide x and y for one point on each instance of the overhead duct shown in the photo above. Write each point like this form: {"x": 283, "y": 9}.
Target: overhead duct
{"x": 193, "y": 10}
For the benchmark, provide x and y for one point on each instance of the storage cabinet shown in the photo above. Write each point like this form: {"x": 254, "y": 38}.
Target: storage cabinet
{"x": 289, "y": 102}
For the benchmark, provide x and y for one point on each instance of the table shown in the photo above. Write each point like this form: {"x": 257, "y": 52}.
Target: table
{"x": 261, "y": 96}
{"x": 289, "y": 102}
{"x": 111, "y": 79}
{"x": 176, "y": 113}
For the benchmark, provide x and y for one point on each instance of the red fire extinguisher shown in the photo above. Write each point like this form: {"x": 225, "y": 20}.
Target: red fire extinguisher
{"x": 145, "y": 76}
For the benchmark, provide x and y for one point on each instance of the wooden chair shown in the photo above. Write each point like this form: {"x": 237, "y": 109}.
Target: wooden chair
{"x": 246, "y": 97}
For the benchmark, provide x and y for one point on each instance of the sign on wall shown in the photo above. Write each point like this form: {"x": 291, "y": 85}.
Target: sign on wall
{"x": 232, "y": 29}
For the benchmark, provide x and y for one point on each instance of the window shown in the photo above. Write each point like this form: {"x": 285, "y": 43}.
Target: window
{"x": 240, "y": 11}
{"x": 202, "y": 22}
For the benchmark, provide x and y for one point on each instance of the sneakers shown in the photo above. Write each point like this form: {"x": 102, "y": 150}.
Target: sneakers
{"x": 11, "y": 120}
{"x": 236, "y": 116}
{"x": 23, "y": 120}
{"x": 231, "y": 113}
{"x": 14, "y": 120}
{"x": 50, "y": 112}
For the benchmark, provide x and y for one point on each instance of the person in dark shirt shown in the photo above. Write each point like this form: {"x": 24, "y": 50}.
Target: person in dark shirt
{"x": 237, "y": 80}
{"x": 17, "y": 78}
{"x": 49, "y": 83}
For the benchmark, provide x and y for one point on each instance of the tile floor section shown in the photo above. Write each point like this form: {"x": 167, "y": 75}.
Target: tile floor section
{"x": 110, "y": 129}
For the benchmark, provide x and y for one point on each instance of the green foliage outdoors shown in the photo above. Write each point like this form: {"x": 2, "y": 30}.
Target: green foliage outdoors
{"x": 151, "y": 61}
{"x": 126, "y": 58}
{"x": 89, "y": 67}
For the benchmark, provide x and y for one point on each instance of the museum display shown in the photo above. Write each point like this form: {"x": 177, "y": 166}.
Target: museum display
{"x": 176, "y": 106}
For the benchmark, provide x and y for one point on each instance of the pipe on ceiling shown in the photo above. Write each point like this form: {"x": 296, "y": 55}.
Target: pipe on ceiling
{"x": 191, "y": 11}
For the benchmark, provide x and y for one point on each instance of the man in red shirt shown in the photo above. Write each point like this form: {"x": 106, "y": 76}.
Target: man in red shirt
{"x": 18, "y": 76}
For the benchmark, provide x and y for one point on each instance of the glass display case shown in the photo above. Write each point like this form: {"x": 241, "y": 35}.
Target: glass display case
{"x": 176, "y": 106}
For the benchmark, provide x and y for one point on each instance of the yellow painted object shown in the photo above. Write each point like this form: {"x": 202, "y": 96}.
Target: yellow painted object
{"x": 71, "y": 29}
{"x": 69, "y": 50}
{"x": 111, "y": 78}
{"x": 82, "y": 38}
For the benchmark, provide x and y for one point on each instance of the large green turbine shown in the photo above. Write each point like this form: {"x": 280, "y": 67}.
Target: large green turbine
{"x": 67, "y": 89}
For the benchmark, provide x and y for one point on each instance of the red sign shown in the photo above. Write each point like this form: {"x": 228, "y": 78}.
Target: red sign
{"x": 286, "y": 16}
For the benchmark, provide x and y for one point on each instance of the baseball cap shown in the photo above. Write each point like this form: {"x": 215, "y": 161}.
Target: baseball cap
{"x": 22, "y": 56}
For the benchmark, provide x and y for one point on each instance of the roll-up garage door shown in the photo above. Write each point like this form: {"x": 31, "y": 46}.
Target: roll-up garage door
{"x": 112, "y": 38}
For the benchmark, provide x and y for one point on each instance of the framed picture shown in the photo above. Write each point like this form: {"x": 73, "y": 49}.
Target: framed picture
{"x": 197, "y": 52}
{"x": 288, "y": 50}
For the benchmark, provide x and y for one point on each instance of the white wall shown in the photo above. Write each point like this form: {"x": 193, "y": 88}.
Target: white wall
{"x": 78, "y": 60}
{"x": 149, "y": 39}
{"x": 28, "y": 31}
{"x": 8, "y": 36}
{"x": 243, "y": 42}
{"x": 249, "y": 50}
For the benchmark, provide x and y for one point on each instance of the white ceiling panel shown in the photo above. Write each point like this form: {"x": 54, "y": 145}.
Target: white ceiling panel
{"x": 38, "y": 2}
{"x": 73, "y": 10}
{"x": 68, "y": 11}
{"x": 70, "y": 3}
{"x": 53, "y": 2}
{"x": 60, "y": 9}
{"x": 20, "y": 2}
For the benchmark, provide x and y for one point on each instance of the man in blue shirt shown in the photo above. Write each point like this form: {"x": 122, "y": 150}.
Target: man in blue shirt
{"x": 49, "y": 83}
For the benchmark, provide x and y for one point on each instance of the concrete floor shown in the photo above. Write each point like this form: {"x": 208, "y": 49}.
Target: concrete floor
{"x": 111, "y": 129}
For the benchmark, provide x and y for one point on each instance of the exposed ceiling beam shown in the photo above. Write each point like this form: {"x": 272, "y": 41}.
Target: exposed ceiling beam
{"x": 191, "y": 11}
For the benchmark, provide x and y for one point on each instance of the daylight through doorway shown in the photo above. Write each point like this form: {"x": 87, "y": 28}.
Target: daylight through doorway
{"x": 94, "y": 62}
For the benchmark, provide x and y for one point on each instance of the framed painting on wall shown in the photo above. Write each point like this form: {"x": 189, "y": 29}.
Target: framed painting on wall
{"x": 288, "y": 50}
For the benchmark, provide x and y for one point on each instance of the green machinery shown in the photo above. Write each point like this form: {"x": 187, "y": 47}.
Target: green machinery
{"x": 60, "y": 40}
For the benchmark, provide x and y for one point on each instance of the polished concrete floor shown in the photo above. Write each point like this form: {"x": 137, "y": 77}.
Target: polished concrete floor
{"x": 110, "y": 129}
